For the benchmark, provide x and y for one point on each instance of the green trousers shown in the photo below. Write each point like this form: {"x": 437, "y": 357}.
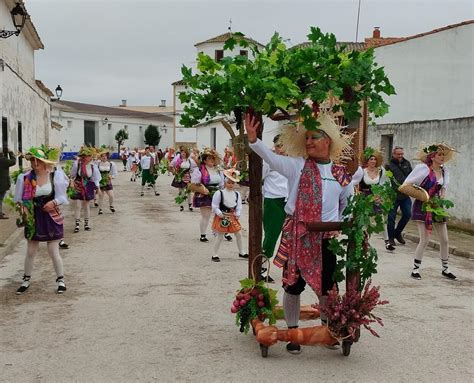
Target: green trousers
{"x": 273, "y": 217}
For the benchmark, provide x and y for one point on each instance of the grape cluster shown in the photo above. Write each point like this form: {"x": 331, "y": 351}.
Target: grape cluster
{"x": 244, "y": 317}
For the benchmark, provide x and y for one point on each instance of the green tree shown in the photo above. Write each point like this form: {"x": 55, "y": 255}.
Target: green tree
{"x": 152, "y": 135}
{"x": 120, "y": 138}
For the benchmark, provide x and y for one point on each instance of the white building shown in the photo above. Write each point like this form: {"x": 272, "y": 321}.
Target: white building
{"x": 24, "y": 101}
{"x": 96, "y": 125}
{"x": 433, "y": 76}
{"x": 212, "y": 134}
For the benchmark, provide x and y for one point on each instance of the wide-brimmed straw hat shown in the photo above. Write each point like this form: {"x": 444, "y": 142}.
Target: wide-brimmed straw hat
{"x": 440, "y": 147}
{"x": 207, "y": 152}
{"x": 372, "y": 152}
{"x": 49, "y": 156}
{"x": 232, "y": 174}
{"x": 293, "y": 139}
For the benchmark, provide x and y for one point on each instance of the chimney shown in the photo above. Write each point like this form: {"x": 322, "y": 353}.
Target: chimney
{"x": 376, "y": 33}
{"x": 163, "y": 104}
{"x": 124, "y": 103}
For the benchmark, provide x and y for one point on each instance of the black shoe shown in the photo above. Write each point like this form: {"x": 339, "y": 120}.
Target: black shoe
{"x": 415, "y": 275}
{"x": 190, "y": 207}
{"x": 400, "y": 239}
{"x": 228, "y": 237}
{"x": 76, "y": 229}
{"x": 112, "y": 209}
{"x": 267, "y": 278}
{"x": 142, "y": 194}
{"x": 156, "y": 193}
{"x": 181, "y": 208}
{"x": 215, "y": 259}
{"x": 100, "y": 212}
{"x": 448, "y": 275}
{"x": 63, "y": 245}
{"x": 61, "y": 285}
{"x": 24, "y": 285}
{"x": 87, "y": 228}
{"x": 389, "y": 246}
{"x": 203, "y": 238}
{"x": 243, "y": 255}
{"x": 131, "y": 179}
{"x": 293, "y": 348}
{"x": 96, "y": 204}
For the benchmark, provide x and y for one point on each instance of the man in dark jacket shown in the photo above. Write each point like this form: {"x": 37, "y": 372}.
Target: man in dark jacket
{"x": 7, "y": 159}
{"x": 400, "y": 167}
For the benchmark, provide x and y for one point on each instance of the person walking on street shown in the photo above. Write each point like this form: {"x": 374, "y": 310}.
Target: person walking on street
{"x": 432, "y": 176}
{"x": 40, "y": 192}
{"x": 7, "y": 160}
{"x": 147, "y": 164}
{"x": 275, "y": 194}
{"x": 400, "y": 168}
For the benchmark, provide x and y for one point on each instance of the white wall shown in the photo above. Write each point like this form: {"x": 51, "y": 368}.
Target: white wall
{"x": 432, "y": 75}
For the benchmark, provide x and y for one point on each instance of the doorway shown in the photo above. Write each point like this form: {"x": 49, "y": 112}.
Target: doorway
{"x": 89, "y": 133}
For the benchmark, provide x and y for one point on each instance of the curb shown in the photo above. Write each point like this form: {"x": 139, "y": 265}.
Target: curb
{"x": 435, "y": 245}
{"x": 12, "y": 241}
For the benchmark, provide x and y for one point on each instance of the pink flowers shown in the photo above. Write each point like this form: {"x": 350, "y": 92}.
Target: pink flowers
{"x": 348, "y": 313}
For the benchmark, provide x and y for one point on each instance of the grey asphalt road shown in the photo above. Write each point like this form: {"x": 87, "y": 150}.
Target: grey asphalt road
{"x": 146, "y": 304}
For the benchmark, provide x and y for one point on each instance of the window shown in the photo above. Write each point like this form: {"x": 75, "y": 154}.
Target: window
{"x": 20, "y": 143}
{"x": 109, "y": 126}
{"x": 386, "y": 144}
{"x": 244, "y": 53}
{"x": 4, "y": 133}
{"x": 219, "y": 55}
{"x": 213, "y": 138}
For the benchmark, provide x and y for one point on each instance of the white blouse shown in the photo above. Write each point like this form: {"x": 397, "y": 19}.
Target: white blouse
{"x": 216, "y": 177}
{"x": 60, "y": 186}
{"x": 229, "y": 201}
{"x": 362, "y": 174}
{"x": 421, "y": 171}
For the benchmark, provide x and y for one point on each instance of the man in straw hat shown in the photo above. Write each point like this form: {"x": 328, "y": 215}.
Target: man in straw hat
{"x": 318, "y": 191}
{"x": 432, "y": 176}
{"x": 39, "y": 193}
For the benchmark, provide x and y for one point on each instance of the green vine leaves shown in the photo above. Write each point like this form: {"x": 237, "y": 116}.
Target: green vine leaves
{"x": 278, "y": 79}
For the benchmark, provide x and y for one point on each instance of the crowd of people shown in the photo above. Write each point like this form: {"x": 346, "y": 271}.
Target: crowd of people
{"x": 304, "y": 181}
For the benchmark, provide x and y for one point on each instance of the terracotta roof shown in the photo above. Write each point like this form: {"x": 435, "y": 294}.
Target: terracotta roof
{"x": 44, "y": 88}
{"x": 350, "y": 46}
{"x": 179, "y": 82}
{"x": 224, "y": 37}
{"x": 395, "y": 40}
{"x": 69, "y": 106}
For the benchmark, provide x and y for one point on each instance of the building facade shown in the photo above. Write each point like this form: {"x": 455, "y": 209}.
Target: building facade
{"x": 24, "y": 101}
{"x": 433, "y": 76}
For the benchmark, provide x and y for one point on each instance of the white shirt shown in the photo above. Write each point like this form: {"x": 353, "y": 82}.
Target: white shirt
{"x": 216, "y": 177}
{"x": 229, "y": 201}
{"x": 421, "y": 171}
{"x": 274, "y": 184}
{"x": 335, "y": 196}
{"x": 362, "y": 174}
{"x": 60, "y": 186}
{"x": 107, "y": 166}
{"x": 145, "y": 162}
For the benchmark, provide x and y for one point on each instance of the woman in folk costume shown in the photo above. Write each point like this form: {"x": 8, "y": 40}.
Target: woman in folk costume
{"x": 133, "y": 161}
{"x": 86, "y": 178}
{"x": 147, "y": 164}
{"x": 230, "y": 160}
{"x": 182, "y": 166}
{"x": 318, "y": 191}
{"x": 227, "y": 206}
{"x": 372, "y": 173}
{"x": 108, "y": 171}
{"x": 432, "y": 176}
{"x": 40, "y": 192}
{"x": 205, "y": 180}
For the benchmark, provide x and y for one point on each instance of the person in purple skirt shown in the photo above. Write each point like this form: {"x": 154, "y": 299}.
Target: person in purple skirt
{"x": 108, "y": 171}
{"x": 206, "y": 179}
{"x": 86, "y": 177}
{"x": 182, "y": 166}
{"x": 39, "y": 193}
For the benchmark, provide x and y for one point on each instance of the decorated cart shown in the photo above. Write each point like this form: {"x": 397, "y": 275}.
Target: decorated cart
{"x": 297, "y": 84}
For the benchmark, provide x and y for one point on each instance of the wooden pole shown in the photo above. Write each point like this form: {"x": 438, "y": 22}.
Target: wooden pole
{"x": 255, "y": 211}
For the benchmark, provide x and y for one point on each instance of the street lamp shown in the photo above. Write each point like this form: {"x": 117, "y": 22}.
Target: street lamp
{"x": 19, "y": 18}
{"x": 59, "y": 91}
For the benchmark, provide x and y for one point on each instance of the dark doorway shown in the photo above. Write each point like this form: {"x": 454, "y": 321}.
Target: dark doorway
{"x": 89, "y": 133}
{"x": 20, "y": 143}
{"x": 4, "y": 134}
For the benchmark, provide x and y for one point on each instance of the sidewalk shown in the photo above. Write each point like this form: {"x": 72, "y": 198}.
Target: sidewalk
{"x": 10, "y": 234}
{"x": 460, "y": 244}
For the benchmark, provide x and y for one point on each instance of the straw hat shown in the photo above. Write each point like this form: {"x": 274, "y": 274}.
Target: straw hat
{"x": 207, "y": 152}
{"x": 293, "y": 139}
{"x": 86, "y": 151}
{"x": 50, "y": 156}
{"x": 232, "y": 174}
{"x": 372, "y": 152}
{"x": 425, "y": 150}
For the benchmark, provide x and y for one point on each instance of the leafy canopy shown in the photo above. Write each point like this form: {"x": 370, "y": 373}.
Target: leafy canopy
{"x": 281, "y": 80}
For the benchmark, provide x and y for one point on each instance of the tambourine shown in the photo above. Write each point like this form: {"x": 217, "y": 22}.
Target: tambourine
{"x": 414, "y": 191}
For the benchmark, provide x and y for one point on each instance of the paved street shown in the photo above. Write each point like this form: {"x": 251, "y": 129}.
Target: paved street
{"x": 145, "y": 303}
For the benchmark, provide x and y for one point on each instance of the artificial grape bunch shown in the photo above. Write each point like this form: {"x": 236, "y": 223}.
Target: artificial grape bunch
{"x": 253, "y": 301}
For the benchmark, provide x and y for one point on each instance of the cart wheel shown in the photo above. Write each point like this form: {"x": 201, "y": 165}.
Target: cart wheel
{"x": 346, "y": 348}
{"x": 264, "y": 350}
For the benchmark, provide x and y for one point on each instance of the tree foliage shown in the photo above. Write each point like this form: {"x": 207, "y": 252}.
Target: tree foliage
{"x": 152, "y": 135}
{"x": 282, "y": 80}
{"x": 120, "y": 137}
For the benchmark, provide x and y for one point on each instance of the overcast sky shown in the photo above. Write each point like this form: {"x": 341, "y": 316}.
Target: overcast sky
{"x": 103, "y": 51}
